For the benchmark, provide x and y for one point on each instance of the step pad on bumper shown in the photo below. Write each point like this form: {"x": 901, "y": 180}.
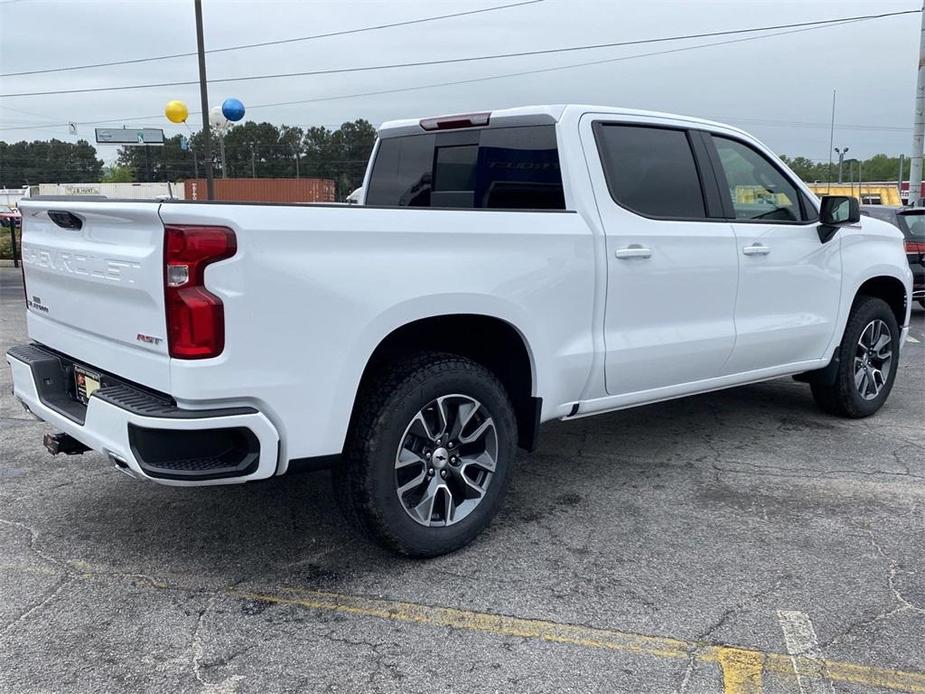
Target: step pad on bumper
{"x": 53, "y": 374}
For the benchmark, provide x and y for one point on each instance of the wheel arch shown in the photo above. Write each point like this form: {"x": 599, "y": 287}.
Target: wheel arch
{"x": 494, "y": 342}
{"x": 889, "y": 288}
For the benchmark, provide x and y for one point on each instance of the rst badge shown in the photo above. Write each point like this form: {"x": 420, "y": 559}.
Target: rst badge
{"x": 149, "y": 339}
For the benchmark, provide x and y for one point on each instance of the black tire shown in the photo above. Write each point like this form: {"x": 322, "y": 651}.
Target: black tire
{"x": 365, "y": 482}
{"x": 842, "y": 397}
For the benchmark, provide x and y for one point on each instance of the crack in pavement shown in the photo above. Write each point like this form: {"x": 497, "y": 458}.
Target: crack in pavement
{"x": 903, "y": 606}
{"x": 702, "y": 642}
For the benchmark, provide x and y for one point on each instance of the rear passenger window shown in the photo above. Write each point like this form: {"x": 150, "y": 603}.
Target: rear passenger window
{"x": 403, "y": 172}
{"x": 757, "y": 188}
{"x": 514, "y": 168}
{"x": 651, "y": 170}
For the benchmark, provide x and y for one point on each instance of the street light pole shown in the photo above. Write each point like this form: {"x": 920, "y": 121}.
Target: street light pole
{"x": 918, "y": 132}
{"x": 204, "y": 100}
{"x": 841, "y": 160}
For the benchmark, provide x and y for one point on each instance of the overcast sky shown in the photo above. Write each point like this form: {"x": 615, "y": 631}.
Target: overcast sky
{"x": 778, "y": 88}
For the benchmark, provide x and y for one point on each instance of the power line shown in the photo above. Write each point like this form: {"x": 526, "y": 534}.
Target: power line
{"x": 539, "y": 71}
{"x": 449, "y": 61}
{"x": 344, "y": 32}
{"x": 543, "y": 70}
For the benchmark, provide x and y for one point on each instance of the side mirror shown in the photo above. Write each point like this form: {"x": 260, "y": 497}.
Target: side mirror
{"x": 837, "y": 211}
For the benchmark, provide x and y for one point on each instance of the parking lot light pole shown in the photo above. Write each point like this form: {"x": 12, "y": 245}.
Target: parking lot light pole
{"x": 204, "y": 100}
{"x": 918, "y": 132}
{"x": 841, "y": 160}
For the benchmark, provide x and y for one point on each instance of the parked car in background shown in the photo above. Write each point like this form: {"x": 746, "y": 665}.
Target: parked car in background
{"x": 911, "y": 222}
{"x": 502, "y": 270}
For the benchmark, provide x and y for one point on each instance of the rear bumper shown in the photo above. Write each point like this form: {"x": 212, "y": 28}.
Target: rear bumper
{"x": 145, "y": 435}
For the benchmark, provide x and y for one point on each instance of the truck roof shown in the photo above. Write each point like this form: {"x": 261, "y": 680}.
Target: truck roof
{"x": 537, "y": 115}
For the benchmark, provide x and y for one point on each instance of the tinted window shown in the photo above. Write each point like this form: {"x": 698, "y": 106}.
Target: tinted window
{"x": 651, "y": 170}
{"x": 757, "y": 188}
{"x": 507, "y": 168}
{"x": 913, "y": 225}
{"x": 403, "y": 171}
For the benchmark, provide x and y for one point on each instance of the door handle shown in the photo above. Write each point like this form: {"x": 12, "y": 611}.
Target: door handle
{"x": 756, "y": 249}
{"x": 633, "y": 251}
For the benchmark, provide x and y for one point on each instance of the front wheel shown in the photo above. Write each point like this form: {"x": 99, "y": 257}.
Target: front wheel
{"x": 428, "y": 456}
{"x": 868, "y": 358}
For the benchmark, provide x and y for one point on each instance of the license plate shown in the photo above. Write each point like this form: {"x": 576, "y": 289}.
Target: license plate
{"x": 85, "y": 382}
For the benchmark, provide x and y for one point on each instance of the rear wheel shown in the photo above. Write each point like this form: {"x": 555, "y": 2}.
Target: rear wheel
{"x": 427, "y": 459}
{"x": 868, "y": 356}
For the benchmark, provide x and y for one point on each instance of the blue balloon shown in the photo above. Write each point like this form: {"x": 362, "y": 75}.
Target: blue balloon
{"x": 233, "y": 109}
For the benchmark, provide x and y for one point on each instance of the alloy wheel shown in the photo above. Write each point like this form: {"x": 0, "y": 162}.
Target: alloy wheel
{"x": 446, "y": 460}
{"x": 873, "y": 359}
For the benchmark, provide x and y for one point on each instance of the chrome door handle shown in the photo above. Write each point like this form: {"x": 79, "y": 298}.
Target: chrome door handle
{"x": 633, "y": 251}
{"x": 756, "y": 249}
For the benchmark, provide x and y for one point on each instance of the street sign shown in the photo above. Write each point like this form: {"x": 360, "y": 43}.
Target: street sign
{"x": 130, "y": 136}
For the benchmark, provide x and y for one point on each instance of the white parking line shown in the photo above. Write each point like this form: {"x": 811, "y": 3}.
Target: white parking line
{"x": 803, "y": 647}
{"x": 909, "y": 338}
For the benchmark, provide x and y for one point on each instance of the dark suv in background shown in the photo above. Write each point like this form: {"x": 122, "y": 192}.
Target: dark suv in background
{"x": 911, "y": 222}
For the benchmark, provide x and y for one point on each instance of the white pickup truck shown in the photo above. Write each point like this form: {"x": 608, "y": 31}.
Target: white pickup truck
{"x": 504, "y": 269}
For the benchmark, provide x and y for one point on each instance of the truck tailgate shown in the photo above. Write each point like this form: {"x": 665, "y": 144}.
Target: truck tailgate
{"x": 94, "y": 273}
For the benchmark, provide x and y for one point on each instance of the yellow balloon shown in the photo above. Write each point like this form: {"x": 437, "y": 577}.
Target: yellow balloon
{"x": 176, "y": 111}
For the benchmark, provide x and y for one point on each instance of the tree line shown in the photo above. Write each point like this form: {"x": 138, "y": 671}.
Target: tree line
{"x": 264, "y": 150}
{"x": 48, "y": 161}
{"x": 258, "y": 150}
{"x": 879, "y": 167}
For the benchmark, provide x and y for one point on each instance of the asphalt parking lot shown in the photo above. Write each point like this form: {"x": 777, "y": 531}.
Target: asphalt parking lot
{"x": 736, "y": 542}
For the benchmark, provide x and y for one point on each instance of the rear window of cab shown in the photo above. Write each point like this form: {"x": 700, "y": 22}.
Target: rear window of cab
{"x": 489, "y": 168}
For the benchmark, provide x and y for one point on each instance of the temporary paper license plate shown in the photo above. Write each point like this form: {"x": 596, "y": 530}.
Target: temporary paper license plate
{"x": 85, "y": 382}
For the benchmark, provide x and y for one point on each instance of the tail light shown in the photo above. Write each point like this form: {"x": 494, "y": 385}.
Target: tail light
{"x": 915, "y": 246}
{"x": 195, "y": 316}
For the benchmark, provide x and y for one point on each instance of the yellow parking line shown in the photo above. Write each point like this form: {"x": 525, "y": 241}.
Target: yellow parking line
{"x": 742, "y": 668}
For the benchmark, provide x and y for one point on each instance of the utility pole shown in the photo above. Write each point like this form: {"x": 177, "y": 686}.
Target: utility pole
{"x": 860, "y": 181}
{"x": 221, "y": 146}
{"x": 841, "y": 160}
{"x": 253, "y": 162}
{"x": 204, "y": 100}
{"x": 918, "y": 132}
{"x": 899, "y": 180}
{"x": 295, "y": 153}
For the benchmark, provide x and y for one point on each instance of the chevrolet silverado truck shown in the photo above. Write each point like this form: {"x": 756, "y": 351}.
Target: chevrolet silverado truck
{"x": 503, "y": 269}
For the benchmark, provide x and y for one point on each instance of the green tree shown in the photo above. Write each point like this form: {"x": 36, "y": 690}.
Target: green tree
{"x": 169, "y": 162}
{"x": 48, "y": 161}
{"x": 340, "y": 154}
{"x": 118, "y": 174}
{"x": 880, "y": 167}
{"x": 255, "y": 150}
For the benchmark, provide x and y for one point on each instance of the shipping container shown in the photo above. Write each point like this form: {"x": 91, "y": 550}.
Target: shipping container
{"x": 264, "y": 189}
